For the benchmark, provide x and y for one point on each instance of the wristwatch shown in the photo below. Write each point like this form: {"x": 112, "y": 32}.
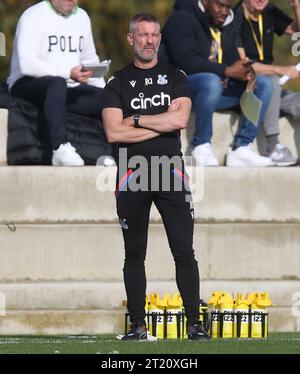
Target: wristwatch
{"x": 136, "y": 119}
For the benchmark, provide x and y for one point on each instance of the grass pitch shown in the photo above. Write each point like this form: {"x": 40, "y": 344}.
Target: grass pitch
{"x": 283, "y": 343}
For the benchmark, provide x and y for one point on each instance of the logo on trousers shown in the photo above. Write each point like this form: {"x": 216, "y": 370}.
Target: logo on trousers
{"x": 123, "y": 223}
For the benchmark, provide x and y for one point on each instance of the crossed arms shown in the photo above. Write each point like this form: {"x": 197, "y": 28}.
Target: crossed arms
{"x": 121, "y": 130}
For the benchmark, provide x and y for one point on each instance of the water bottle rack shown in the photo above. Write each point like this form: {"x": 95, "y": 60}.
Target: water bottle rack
{"x": 249, "y": 318}
{"x": 207, "y": 318}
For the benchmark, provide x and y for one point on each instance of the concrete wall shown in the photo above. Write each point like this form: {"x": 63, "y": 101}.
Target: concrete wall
{"x": 95, "y": 252}
{"x": 61, "y": 248}
{"x": 70, "y": 195}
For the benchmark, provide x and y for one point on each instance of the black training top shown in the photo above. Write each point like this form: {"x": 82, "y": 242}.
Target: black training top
{"x": 148, "y": 92}
{"x": 274, "y": 21}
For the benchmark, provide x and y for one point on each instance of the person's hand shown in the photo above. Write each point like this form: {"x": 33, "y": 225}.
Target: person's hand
{"x": 294, "y": 3}
{"x": 129, "y": 121}
{"x": 80, "y": 76}
{"x": 240, "y": 70}
{"x": 290, "y": 71}
{"x": 251, "y": 82}
{"x": 251, "y": 75}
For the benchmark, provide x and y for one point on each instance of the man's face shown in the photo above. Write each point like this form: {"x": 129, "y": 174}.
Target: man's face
{"x": 64, "y": 6}
{"x": 145, "y": 40}
{"x": 218, "y": 10}
{"x": 256, "y": 6}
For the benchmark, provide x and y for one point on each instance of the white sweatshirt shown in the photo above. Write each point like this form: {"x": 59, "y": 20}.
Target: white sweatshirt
{"x": 47, "y": 43}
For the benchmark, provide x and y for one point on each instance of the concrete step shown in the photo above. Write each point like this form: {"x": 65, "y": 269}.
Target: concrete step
{"x": 93, "y": 322}
{"x": 62, "y": 322}
{"x": 110, "y": 295}
{"x": 225, "y": 125}
{"x": 95, "y": 252}
{"x": 70, "y": 195}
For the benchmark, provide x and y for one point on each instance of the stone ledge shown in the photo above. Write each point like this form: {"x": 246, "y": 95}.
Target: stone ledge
{"x": 225, "y": 125}
{"x": 70, "y": 195}
{"x": 78, "y": 322}
{"x": 110, "y": 295}
{"x": 95, "y": 252}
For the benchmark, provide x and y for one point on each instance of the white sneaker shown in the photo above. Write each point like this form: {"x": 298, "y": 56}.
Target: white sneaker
{"x": 282, "y": 156}
{"x": 66, "y": 155}
{"x": 246, "y": 157}
{"x": 203, "y": 155}
{"x": 150, "y": 338}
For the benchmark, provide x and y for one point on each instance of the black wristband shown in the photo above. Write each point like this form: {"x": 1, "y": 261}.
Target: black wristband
{"x": 136, "y": 119}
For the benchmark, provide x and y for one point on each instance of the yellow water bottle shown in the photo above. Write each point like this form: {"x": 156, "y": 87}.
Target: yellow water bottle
{"x": 152, "y": 313}
{"x": 259, "y": 315}
{"x": 174, "y": 315}
{"x": 156, "y": 312}
{"x": 226, "y": 315}
{"x": 215, "y": 314}
{"x": 241, "y": 317}
{"x": 163, "y": 304}
{"x": 264, "y": 303}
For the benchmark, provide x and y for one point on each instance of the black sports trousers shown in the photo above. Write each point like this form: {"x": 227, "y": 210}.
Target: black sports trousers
{"x": 175, "y": 208}
{"x": 52, "y": 96}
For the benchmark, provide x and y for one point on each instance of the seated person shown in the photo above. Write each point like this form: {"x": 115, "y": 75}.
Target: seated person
{"x": 53, "y": 40}
{"x": 256, "y": 17}
{"x": 200, "y": 38}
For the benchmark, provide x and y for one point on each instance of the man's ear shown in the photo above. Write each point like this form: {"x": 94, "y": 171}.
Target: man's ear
{"x": 130, "y": 38}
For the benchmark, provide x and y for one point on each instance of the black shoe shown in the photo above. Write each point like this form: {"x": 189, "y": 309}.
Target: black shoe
{"x": 136, "y": 333}
{"x": 197, "y": 332}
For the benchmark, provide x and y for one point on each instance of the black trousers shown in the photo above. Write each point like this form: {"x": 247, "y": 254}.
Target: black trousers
{"x": 175, "y": 208}
{"x": 52, "y": 96}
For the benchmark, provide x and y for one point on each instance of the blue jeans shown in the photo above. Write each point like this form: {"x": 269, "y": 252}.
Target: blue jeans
{"x": 209, "y": 96}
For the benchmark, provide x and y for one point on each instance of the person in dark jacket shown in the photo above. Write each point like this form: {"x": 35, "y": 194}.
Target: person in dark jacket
{"x": 258, "y": 21}
{"x": 199, "y": 37}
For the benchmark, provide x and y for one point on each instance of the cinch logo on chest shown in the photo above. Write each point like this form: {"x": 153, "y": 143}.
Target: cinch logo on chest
{"x": 147, "y": 102}
{"x": 65, "y": 43}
